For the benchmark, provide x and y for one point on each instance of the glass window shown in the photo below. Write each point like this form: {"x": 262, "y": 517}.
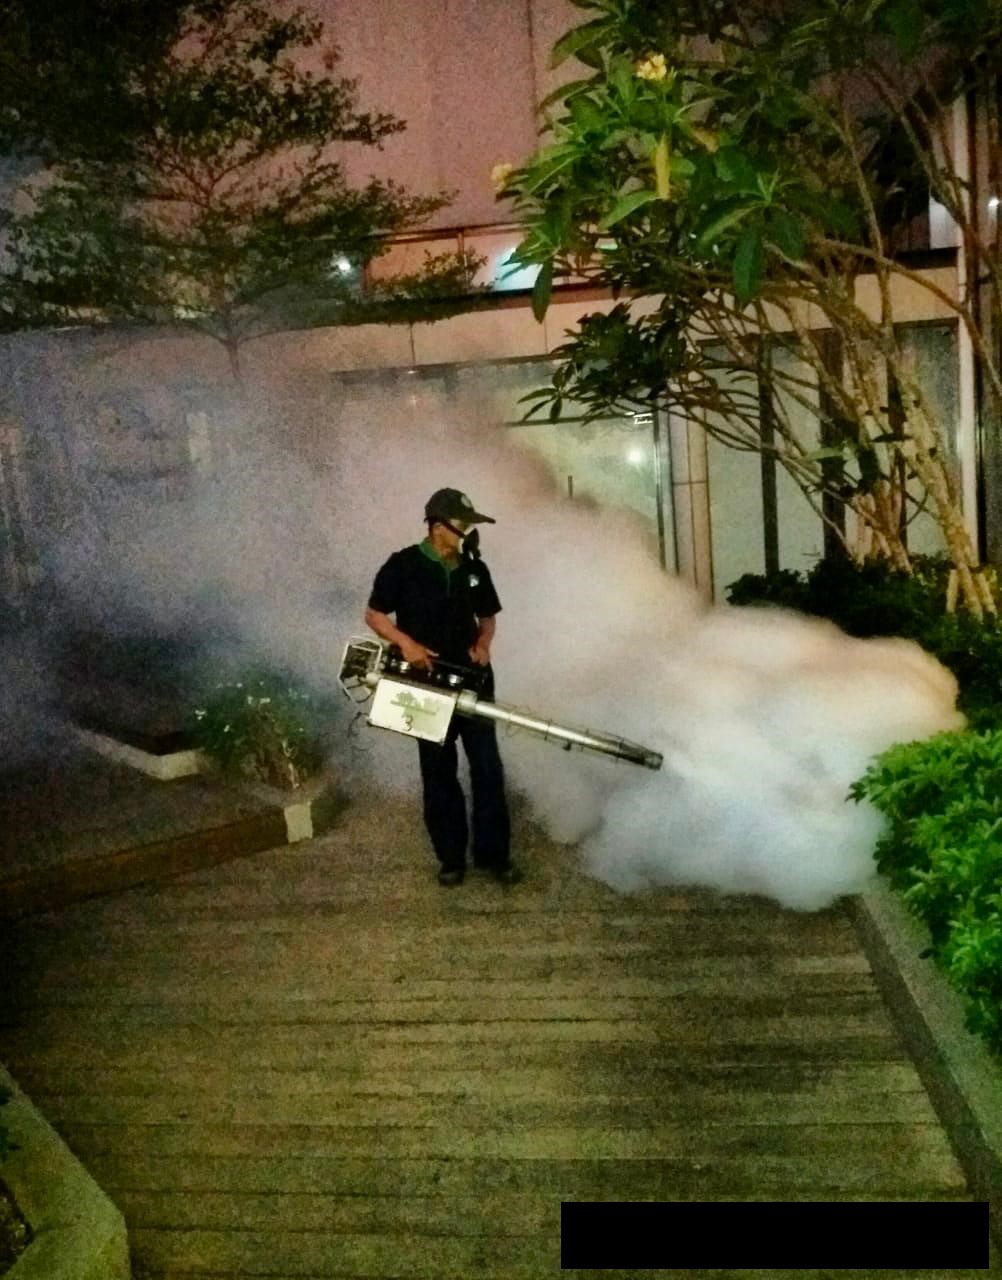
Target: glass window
{"x": 737, "y": 535}
{"x": 931, "y": 353}
{"x": 612, "y": 462}
{"x": 801, "y": 532}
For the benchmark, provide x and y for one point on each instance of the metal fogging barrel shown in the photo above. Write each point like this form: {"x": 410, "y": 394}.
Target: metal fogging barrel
{"x": 421, "y": 704}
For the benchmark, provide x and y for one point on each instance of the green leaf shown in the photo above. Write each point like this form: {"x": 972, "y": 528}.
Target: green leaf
{"x": 542, "y": 290}
{"x": 623, "y": 79}
{"x": 734, "y": 166}
{"x": 547, "y": 165}
{"x": 626, "y": 205}
{"x": 786, "y": 233}
{"x": 578, "y": 39}
{"x": 840, "y": 218}
{"x": 747, "y": 272}
{"x": 534, "y": 411}
{"x": 586, "y": 113}
{"x": 822, "y": 455}
{"x": 904, "y": 20}
{"x": 722, "y": 217}
{"x": 568, "y": 90}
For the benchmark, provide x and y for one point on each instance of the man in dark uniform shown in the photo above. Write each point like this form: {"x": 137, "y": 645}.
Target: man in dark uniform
{"x": 446, "y": 607}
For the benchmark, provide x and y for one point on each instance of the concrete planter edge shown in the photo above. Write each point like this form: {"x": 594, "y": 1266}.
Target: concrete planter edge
{"x": 963, "y": 1080}
{"x": 79, "y": 1234}
{"x": 308, "y": 810}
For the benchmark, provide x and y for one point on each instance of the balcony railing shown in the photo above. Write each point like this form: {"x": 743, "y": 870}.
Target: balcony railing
{"x": 494, "y": 242}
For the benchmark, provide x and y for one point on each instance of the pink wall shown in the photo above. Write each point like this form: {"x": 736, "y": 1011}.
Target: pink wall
{"x": 464, "y": 74}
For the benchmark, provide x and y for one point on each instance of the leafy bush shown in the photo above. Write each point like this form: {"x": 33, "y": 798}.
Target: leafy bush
{"x": 786, "y": 588}
{"x": 875, "y": 600}
{"x": 263, "y": 727}
{"x": 942, "y": 849}
{"x": 972, "y": 650}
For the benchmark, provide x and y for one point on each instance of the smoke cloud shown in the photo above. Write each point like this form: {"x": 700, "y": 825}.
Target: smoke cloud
{"x": 764, "y": 717}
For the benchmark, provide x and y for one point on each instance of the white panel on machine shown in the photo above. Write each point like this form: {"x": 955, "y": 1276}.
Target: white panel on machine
{"x": 420, "y": 713}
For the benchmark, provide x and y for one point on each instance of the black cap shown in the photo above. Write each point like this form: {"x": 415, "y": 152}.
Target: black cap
{"x": 451, "y": 504}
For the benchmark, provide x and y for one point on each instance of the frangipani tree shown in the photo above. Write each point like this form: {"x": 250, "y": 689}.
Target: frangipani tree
{"x": 736, "y": 168}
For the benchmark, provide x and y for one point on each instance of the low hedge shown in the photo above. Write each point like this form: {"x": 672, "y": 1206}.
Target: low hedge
{"x": 877, "y": 601}
{"x": 942, "y": 797}
{"x": 942, "y": 849}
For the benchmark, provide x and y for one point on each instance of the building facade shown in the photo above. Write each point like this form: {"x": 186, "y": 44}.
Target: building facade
{"x": 87, "y": 419}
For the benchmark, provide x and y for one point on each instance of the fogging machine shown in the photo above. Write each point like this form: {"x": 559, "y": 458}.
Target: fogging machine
{"x": 420, "y": 703}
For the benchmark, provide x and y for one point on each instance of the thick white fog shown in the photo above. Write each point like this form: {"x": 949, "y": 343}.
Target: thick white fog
{"x": 764, "y": 718}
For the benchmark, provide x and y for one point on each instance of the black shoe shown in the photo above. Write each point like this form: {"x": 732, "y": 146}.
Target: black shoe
{"x": 508, "y": 874}
{"x": 451, "y": 875}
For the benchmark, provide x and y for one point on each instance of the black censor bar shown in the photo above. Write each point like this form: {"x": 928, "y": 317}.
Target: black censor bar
{"x": 796, "y": 1237}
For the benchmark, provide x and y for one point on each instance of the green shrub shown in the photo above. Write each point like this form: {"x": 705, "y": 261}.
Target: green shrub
{"x": 875, "y": 600}
{"x": 785, "y": 588}
{"x": 868, "y": 600}
{"x": 263, "y": 727}
{"x": 972, "y": 650}
{"x": 942, "y": 848}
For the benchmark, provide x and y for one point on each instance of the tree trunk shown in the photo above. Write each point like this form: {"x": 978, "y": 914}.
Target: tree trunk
{"x": 926, "y": 459}
{"x": 233, "y": 355}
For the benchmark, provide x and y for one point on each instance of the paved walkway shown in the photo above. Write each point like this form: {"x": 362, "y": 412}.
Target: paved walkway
{"x": 314, "y": 1062}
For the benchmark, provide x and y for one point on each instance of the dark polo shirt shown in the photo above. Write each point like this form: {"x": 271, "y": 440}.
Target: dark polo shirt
{"x": 435, "y": 605}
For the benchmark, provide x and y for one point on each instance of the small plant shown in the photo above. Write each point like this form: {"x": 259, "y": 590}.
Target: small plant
{"x": 942, "y": 848}
{"x": 263, "y": 727}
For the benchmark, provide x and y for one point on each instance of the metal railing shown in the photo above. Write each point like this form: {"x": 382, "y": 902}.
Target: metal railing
{"x": 492, "y": 241}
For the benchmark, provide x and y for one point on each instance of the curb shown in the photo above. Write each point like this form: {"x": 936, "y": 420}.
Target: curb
{"x": 78, "y": 1233}
{"x": 963, "y": 1080}
{"x": 164, "y": 766}
{"x": 290, "y": 817}
{"x": 307, "y": 812}
{"x": 58, "y": 887}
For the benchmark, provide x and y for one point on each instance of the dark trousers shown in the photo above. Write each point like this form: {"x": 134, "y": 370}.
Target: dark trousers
{"x": 445, "y": 804}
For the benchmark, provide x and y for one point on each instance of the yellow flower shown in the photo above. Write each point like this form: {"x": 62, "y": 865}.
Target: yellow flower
{"x": 653, "y": 67}
{"x": 500, "y": 175}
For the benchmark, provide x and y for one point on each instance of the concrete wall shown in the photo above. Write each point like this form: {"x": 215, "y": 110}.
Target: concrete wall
{"x": 466, "y": 76}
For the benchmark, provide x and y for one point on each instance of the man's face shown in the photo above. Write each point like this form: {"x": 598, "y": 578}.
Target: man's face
{"x": 454, "y": 540}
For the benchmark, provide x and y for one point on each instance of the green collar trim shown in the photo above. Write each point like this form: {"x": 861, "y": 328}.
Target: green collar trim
{"x": 428, "y": 550}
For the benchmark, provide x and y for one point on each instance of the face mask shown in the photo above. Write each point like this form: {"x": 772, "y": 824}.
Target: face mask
{"x": 470, "y": 541}
{"x": 471, "y": 545}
